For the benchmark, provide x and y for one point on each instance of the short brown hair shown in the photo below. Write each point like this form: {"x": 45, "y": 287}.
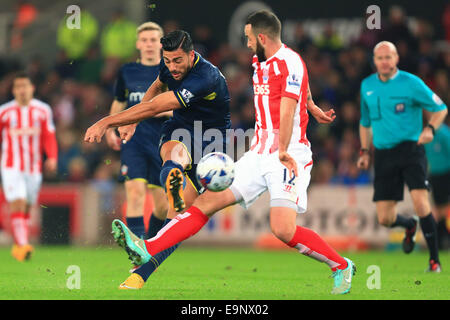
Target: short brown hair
{"x": 21, "y": 75}
{"x": 265, "y": 22}
{"x": 150, "y": 25}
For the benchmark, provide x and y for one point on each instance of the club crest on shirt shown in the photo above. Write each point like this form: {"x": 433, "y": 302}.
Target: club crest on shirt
{"x": 124, "y": 170}
{"x": 399, "y": 107}
{"x": 265, "y": 74}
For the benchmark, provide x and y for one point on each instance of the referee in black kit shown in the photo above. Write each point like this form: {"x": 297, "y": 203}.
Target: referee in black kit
{"x": 392, "y": 102}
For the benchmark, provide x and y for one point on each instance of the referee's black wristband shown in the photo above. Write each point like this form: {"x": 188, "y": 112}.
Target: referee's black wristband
{"x": 431, "y": 127}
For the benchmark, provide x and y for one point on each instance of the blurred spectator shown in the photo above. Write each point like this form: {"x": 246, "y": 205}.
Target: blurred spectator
{"x": 204, "y": 42}
{"x": 347, "y": 118}
{"x": 170, "y": 25}
{"x": 118, "y": 38}
{"x": 64, "y": 105}
{"x": 322, "y": 172}
{"x": 397, "y": 28}
{"x": 329, "y": 40}
{"x": 104, "y": 184}
{"x": 36, "y": 70}
{"x": 76, "y": 42}
{"x": 77, "y": 170}
{"x": 90, "y": 67}
{"x": 26, "y": 14}
{"x": 68, "y": 148}
{"x": 446, "y": 22}
{"x": 301, "y": 39}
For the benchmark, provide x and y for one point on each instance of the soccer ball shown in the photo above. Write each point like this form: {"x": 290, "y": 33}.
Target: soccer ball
{"x": 215, "y": 171}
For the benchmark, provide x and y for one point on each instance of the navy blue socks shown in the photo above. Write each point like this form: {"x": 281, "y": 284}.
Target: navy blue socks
{"x": 137, "y": 226}
{"x": 147, "y": 269}
{"x": 166, "y": 168}
{"x": 154, "y": 226}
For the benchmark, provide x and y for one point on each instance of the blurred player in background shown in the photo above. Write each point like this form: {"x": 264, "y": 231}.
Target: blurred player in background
{"x": 391, "y": 106}
{"x": 27, "y": 131}
{"x": 438, "y": 155}
{"x": 279, "y": 159}
{"x": 196, "y": 91}
{"x": 141, "y": 163}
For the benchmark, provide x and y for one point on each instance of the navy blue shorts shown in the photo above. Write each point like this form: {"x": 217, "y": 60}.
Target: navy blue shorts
{"x": 140, "y": 158}
{"x": 196, "y": 146}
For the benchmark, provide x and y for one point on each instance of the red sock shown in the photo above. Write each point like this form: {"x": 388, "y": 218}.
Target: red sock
{"x": 178, "y": 229}
{"x": 311, "y": 244}
{"x": 19, "y": 228}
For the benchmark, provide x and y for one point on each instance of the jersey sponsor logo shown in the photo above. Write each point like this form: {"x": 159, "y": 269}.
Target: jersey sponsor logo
{"x": 33, "y": 131}
{"x": 187, "y": 95}
{"x": 293, "y": 80}
{"x": 136, "y": 96}
{"x": 262, "y": 89}
{"x": 399, "y": 107}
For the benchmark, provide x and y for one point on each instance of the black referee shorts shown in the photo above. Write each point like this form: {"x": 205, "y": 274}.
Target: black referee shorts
{"x": 440, "y": 188}
{"x": 404, "y": 163}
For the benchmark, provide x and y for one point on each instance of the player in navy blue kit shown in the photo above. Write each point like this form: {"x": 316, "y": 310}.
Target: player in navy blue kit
{"x": 197, "y": 93}
{"x": 141, "y": 163}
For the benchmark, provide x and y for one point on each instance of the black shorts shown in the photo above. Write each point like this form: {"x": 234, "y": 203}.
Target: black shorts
{"x": 440, "y": 188}
{"x": 405, "y": 163}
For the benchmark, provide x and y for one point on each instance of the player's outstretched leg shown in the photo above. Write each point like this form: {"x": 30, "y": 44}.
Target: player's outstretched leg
{"x": 133, "y": 245}
{"x": 138, "y": 278}
{"x": 310, "y": 244}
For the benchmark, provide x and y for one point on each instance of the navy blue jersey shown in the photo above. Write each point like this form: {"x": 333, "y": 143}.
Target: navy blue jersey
{"x": 140, "y": 156}
{"x": 203, "y": 94}
{"x": 132, "y": 82}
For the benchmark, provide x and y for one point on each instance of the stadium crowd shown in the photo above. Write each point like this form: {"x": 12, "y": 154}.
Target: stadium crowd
{"x": 79, "y": 87}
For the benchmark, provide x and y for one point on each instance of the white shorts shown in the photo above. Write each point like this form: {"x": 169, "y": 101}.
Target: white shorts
{"x": 19, "y": 185}
{"x": 256, "y": 173}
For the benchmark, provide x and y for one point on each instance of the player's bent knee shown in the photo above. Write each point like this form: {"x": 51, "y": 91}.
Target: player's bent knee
{"x": 283, "y": 223}
{"x": 135, "y": 189}
{"x": 18, "y": 205}
{"x": 386, "y": 220}
{"x": 284, "y": 232}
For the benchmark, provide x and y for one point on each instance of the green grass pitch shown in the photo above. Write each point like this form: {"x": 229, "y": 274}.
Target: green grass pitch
{"x": 222, "y": 274}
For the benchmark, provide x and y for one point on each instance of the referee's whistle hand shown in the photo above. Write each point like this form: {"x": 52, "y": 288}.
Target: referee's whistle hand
{"x": 363, "y": 162}
{"x": 425, "y": 137}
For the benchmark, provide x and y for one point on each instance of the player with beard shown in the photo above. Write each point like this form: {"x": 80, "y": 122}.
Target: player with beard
{"x": 197, "y": 92}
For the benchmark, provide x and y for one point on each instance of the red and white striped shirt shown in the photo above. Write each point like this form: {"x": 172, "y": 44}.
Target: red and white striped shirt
{"x": 282, "y": 75}
{"x": 26, "y": 132}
